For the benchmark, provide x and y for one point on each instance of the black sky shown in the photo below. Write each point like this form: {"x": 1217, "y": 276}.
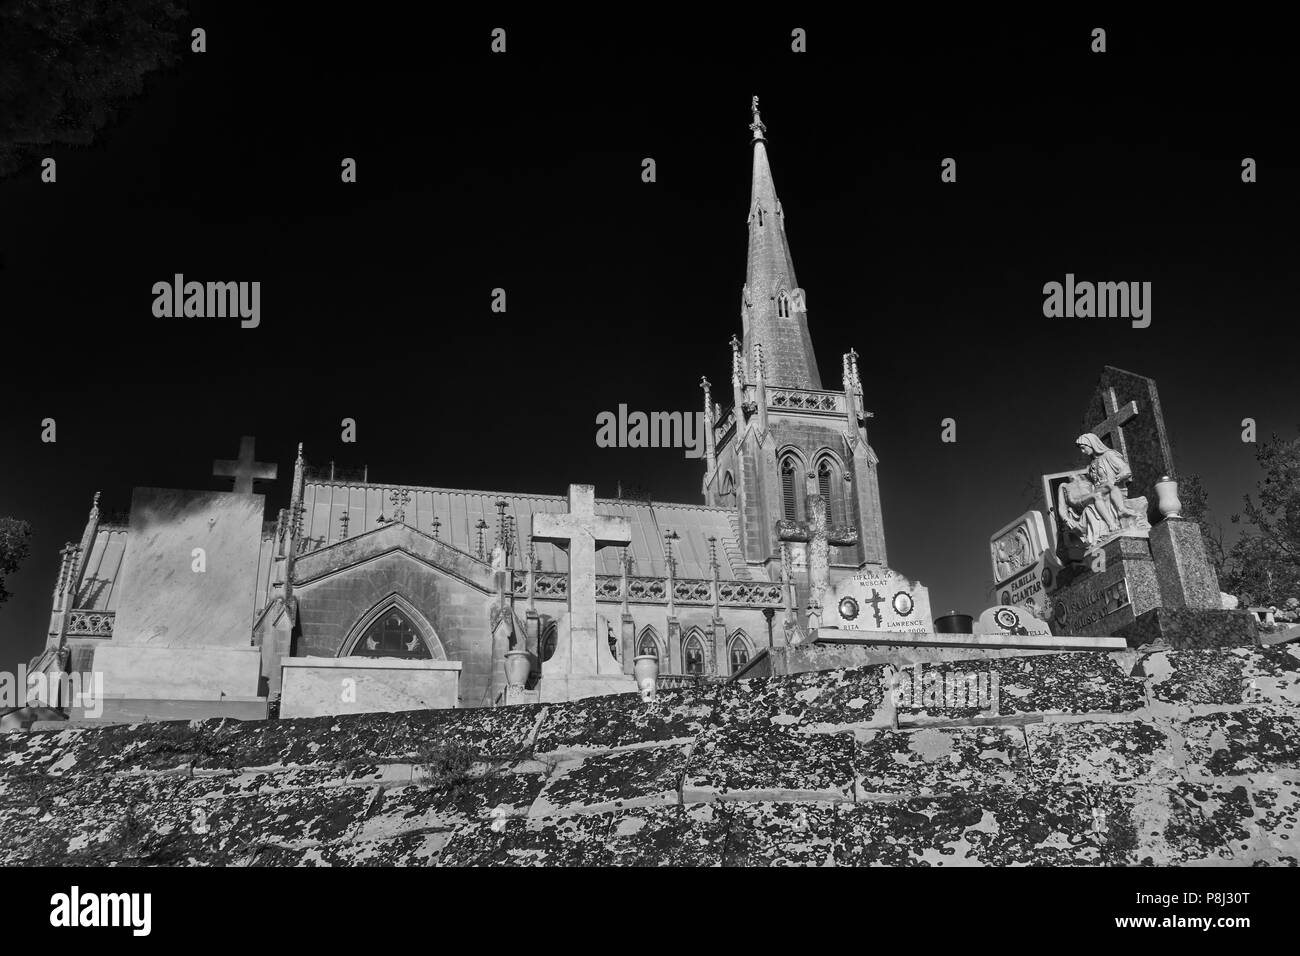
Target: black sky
{"x": 522, "y": 171}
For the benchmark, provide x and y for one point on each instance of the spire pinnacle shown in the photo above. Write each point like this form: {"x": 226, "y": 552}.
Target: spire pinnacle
{"x": 757, "y": 126}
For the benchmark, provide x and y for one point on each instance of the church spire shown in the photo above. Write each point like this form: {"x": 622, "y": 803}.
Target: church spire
{"x": 775, "y": 316}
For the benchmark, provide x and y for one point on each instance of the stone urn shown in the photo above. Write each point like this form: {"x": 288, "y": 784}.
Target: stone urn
{"x": 519, "y": 665}
{"x": 646, "y": 671}
{"x": 1167, "y": 497}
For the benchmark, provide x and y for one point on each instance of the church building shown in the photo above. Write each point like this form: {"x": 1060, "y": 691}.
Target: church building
{"x": 365, "y": 595}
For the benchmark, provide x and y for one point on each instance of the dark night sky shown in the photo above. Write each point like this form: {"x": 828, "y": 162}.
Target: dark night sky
{"x": 523, "y": 171}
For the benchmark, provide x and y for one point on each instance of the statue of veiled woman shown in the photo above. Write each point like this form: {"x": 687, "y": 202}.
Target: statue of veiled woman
{"x": 1095, "y": 504}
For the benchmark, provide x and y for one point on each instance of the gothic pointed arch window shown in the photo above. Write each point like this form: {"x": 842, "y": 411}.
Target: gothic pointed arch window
{"x": 790, "y": 487}
{"x": 392, "y": 634}
{"x": 739, "y": 651}
{"x": 783, "y": 305}
{"x": 826, "y": 486}
{"x": 647, "y": 644}
{"x": 693, "y": 655}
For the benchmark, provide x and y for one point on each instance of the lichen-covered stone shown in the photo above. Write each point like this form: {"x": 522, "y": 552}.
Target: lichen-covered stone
{"x": 1256, "y": 816}
{"x": 409, "y": 808}
{"x": 1154, "y": 826}
{"x": 934, "y": 761}
{"x": 764, "y": 762}
{"x": 612, "y": 781}
{"x": 667, "y": 836}
{"x": 1072, "y": 683}
{"x": 1250, "y": 741}
{"x": 1194, "y": 677}
{"x": 780, "y": 834}
{"x": 1051, "y": 826}
{"x": 603, "y": 723}
{"x": 1103, "y": 753}
{"x": 415, "y": 849}
{"x": 825, "y": 702}
{"x": 524, "y": 841}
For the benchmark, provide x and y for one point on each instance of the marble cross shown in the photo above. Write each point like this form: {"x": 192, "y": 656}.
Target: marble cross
{"x": 1116, "y": 416}
{"x": 243, "y": 469}
{"x": 582, "y": 533}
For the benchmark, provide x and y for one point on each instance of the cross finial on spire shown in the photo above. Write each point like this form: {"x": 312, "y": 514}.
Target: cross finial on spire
{"x": 757, "y": 126}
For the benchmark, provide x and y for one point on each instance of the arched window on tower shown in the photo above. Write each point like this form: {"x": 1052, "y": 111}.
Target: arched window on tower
{"x": 790, "y": 489}
{"x": 693, "y": 655}
{"x": 738, "y": 651}
{"x": 783, "y": 305}
{"x": 826, "y": 487}
{"x": 392, "y": 635}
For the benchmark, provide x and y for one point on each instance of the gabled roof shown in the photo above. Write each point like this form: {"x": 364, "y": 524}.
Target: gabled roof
{"x": 459, "y": 510}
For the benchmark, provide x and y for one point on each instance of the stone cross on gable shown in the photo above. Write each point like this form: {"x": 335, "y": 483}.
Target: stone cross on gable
{"x": 244, "y": 469}
{"x": 582, "y": 533}
{"x": 1116, "y": 416}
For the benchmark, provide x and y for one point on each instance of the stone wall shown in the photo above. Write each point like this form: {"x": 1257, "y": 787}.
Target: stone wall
{"x": 1083, "y": 759}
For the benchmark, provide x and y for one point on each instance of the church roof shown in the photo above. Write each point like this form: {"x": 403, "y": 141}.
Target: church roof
{"x": 459, "y": 510}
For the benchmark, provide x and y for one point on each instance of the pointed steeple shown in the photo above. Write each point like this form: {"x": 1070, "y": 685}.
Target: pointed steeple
{"x": 775, "y": 316}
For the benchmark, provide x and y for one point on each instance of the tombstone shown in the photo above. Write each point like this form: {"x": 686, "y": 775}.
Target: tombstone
{"x": 1006, "y": 621}
{"x": 1125, "y": 413}
{"x": 582, "y": 665}
{"x": 878, "y": 599}
{"x": 1126, "y": 570}
{"x": 1023, "y": 561}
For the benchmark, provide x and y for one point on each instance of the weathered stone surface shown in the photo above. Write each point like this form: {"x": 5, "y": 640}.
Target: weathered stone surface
{"x": 932, "y": 761}
{"x": 667, "y": 836}
{"x": 812, "y": 702}
{"x": 1074, "y": 683}
{"x": 410, "y": 808}
{"x": 1154, "y": 826}
{"x": 780, "y": 834}
{"x": 1256, "y": 817}
{"x": 519, "y": 841}
{"x": 1190, "y": 628}
{"x": 602, "y": 723}
{"x": 613, "y": 781}
{"x": 1251, "y": 741}
{"x": 1103, "y": 753}
{"x": 768, "y": 763}
{"x": 416, "y": 849}
{"x": 1194, "y": 677}
{"x": 1052, "y": 826}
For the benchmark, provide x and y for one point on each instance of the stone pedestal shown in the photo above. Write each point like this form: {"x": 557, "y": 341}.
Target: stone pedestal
{"x": 1184, "y": 572}
{"x": 1192, "y": 628}
{"x": 1101, "y": 602}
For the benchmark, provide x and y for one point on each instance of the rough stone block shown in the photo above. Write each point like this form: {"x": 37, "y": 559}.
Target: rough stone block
{"x": 416, "y": 849}
{"x": 768, "y": 763}
{"x": 1231, "y": 744}
{"x": 1103, "y": 753}
{"x": 496, "y": 795}
{"x": 597, "y": 783}
{"x": 1154, "y": 826}
{"x": 780, "y": 834}
{"x": 1256, "y": 816}
{"x": 1052, "y": 826}
{"x": 526, "y": 841}
{"x": 667, "y": 836}
{"x": 812, "y": 702}
{"x": 932, "y": 761}
{"x": 603, "y": 723}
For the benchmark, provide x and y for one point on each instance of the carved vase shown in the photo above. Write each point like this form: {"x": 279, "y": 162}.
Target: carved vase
{"x": 1167, "y": 496}
{"x": 518, "y": 666}
{"x": 646, "y": 671}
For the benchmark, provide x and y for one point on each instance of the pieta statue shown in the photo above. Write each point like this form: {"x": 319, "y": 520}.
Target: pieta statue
{"x": 1095, "y": 503}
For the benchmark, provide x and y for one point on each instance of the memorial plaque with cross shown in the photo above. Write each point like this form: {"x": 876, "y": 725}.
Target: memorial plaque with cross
{"x": 1125, "y": 413}
{"x": 244, "y": 469}
{"x": 581, "y": 533}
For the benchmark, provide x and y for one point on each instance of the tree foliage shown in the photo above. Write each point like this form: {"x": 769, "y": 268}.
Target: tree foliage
{"x": 66, "y": 67}
{"x": 1263, "y": 566}
{"x": 15, "y": 541}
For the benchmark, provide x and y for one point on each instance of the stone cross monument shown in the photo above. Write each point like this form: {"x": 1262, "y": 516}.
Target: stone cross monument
{"x": 582, "y": 664}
